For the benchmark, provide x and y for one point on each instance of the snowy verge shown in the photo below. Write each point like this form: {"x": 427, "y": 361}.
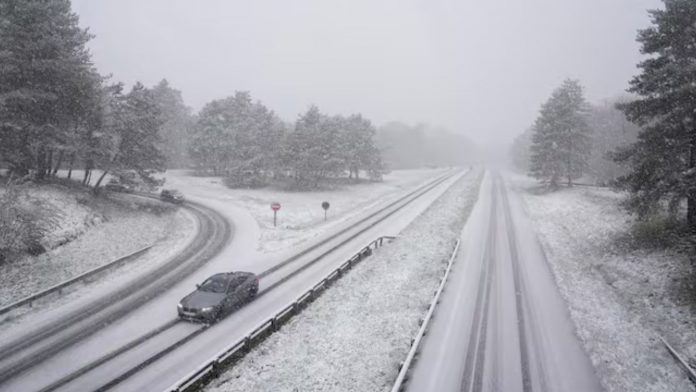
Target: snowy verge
{"x": 301, "y": 217}
{"x": 620, "y": 300}
{"x": 92, "y": 232}
{"x": 354, "y": 336}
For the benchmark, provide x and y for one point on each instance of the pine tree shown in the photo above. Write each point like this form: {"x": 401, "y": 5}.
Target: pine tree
{"x": 134, "y": 125}
{"x": 561, "y": 141}
{"x": 303, "y": 154}
{"x": 663, "y": 160}
{"x": 238, "y": 138}
{"x": 178, "y": 122}
{"x": 358, "y": 145}
{"x": 46, "y": 79}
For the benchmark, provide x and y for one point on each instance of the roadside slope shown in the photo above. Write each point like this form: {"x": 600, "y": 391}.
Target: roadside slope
{"x": 618, "y": 299}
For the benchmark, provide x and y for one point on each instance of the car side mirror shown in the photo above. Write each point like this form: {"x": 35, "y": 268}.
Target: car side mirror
{"x": 198, "y": 285}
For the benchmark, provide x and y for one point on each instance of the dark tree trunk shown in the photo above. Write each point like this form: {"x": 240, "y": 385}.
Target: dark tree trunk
{"x": 49, "y": 162}
{"x": 88, "y": 171}
{"x": 40, "y": 159}
{"x": 691, "y": 195}
{"x": 99, "y": 181}
{"x": 570, "y": 165}
{"x": 70, "y": 166}
{"x": 59, "y": 162}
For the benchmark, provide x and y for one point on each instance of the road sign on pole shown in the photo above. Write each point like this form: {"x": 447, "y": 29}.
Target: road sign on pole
{"x": 325, "y": 205}
{"x": 275, "y": 206}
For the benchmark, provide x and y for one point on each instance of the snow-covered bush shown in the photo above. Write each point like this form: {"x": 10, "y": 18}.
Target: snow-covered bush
{"x": 24, "y": 222}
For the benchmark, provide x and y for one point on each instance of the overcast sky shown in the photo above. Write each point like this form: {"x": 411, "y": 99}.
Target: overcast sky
{"x": 481, "y": 67}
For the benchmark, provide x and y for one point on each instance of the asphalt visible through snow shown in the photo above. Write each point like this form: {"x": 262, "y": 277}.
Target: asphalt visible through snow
{"x": 502, "y": 324}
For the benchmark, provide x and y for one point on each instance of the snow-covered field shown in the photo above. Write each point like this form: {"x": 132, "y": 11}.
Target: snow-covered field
{"x": 620, "y": 300}
{"x": 301, "y": 217}
{"x": 92, "y": 232}
{"x": 354, "y": 336}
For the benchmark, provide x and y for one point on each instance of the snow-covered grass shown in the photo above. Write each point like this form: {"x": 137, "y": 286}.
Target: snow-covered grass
{"x": 90, "y": 232}
{"x": 354, "y": 336}
{"x": 301, "y": 217}
{"x": 620, "y": 299}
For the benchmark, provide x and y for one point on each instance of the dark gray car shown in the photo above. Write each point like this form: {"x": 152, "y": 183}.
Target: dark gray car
{"x": 172, "y": 196}
{"x": 218, "y": 296}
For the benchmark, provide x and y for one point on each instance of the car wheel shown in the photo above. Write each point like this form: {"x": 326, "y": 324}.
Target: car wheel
{"x": 214, "y": 317}
{"x": 252, "y": 293}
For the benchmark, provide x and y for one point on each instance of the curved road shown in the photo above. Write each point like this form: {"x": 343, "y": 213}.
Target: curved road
{"x": 35, "y": 343}
{"x": 156, "y": 312}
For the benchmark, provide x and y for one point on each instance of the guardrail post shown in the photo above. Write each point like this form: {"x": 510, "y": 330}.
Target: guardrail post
{"x": 247, "y": 344}
{"x": 215, "y": 370}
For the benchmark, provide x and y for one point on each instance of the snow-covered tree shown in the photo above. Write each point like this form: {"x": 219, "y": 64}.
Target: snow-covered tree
{"x": 663, "y": 160}
{"x": 177, "y": 126}
{"x": 357, "y": 146}
{"x": 238, "y": 138}
{"x": 134, "y": 126}
{"x": 46, "y": 79}
{"x": 561, "y": 140}
{"x": 309, "y": 153}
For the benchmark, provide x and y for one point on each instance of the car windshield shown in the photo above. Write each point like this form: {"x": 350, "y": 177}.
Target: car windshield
{"x": 214, "y": 285}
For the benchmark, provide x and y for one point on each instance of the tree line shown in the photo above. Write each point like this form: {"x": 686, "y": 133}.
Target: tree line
{"x": 248, "y": 144}
{"x": 650, "y": 149}
{"x": 57, "y": 112}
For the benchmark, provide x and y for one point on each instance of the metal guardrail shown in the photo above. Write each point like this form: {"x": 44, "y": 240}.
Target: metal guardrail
{"x": 405, "y": 366}
{"x": 212, "y": 368}
{"x": 60, "y": 286}
{"x": 682, "y": 362}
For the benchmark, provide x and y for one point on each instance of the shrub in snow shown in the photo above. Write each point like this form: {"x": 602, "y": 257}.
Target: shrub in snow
{"x": 24, "y": 222}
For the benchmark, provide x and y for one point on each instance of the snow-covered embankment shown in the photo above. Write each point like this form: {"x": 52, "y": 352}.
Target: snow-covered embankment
{"x": 620, "y": 300}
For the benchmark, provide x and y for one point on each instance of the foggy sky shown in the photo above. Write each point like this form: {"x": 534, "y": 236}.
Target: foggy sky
{"x": 481, "y": 68}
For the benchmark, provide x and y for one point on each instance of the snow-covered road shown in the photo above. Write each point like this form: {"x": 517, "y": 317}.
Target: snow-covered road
{"x": 240, "y": 254}
{"x": 501, "y": 324}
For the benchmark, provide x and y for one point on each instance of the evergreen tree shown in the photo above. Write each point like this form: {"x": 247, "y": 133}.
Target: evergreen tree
{"x": 46, "y": 79}
{"x": 358, "y": 146}
{"x": 304, "y": 152}
{"x": 238, "y": 138}
{"x": 136, "y": 123}
{"x": 178, "y": 122}
{"x": 663, "y": 160}
{"x": 561, "y": 141}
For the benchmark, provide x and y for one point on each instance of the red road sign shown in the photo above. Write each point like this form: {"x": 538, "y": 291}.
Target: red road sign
{"x": 275, "y": 206}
